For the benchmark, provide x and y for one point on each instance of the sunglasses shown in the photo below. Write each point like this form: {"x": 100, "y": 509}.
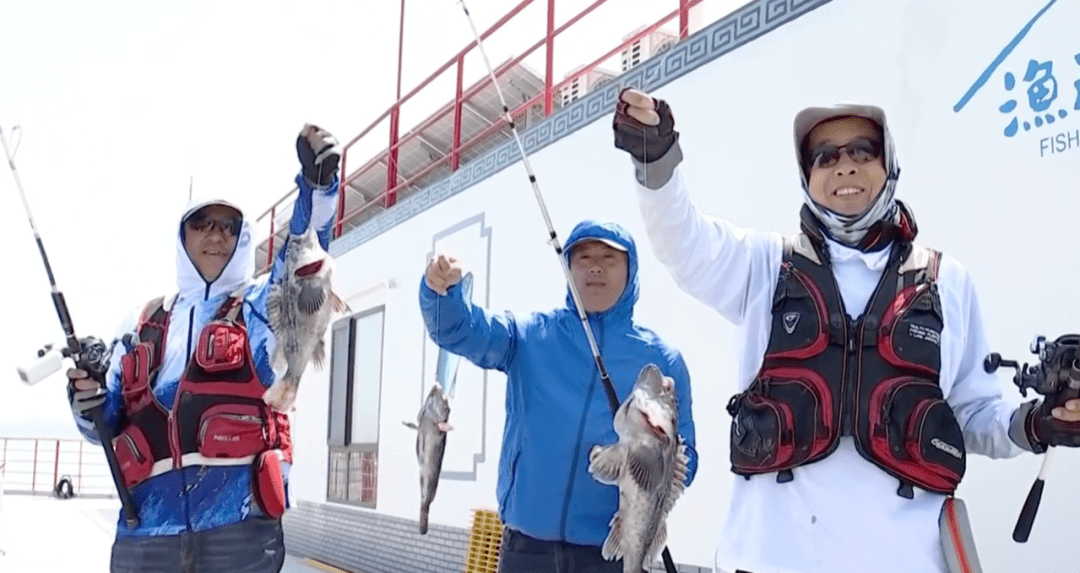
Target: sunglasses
{"x": 230, "y": 227}
{"x": 860, "y": 150}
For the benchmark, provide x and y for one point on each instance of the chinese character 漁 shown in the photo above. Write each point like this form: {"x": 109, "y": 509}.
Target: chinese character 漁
{"x": 1042, "y": 92}
{"x": 1076, "y": 106}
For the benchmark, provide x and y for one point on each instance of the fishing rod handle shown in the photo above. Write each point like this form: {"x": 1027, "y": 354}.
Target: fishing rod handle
{"x": 105, "y": 435}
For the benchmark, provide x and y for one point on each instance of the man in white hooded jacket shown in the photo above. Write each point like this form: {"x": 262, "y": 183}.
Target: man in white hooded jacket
{"x": 205, "y": 459}
{"x": 861, "y": 388}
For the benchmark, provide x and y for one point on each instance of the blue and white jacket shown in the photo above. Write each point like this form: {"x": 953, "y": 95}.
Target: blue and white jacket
{"x": 556, "y": 406}
{"x": 198, "y": 498}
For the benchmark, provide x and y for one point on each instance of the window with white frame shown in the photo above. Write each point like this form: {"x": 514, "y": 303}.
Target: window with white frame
{"x": 355, "y": 392}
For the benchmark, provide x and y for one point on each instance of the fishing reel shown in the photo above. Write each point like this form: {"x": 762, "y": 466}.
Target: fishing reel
{"x": 93, "y": 357}
{"x": 1056, "y": 376}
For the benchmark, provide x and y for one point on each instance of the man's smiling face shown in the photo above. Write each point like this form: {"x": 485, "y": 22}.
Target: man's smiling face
{"x": 210, "y": 238}
{"x": 846, "y": 179}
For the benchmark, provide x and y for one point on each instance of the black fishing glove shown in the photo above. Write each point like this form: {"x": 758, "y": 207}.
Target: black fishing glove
{"x": 319, "y": 154}
{"x": 646, "y": 143}
{"x": 91, "y": 396}
{"x": 1044, "y": 430}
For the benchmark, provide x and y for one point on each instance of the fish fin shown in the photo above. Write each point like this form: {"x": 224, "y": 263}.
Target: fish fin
{"x": 657, "y": 544}
{"x": 678, "y": 479}
{"x": 318, "y": 355}
{"x": 410, "y": 425}
{"x": 613, "y": 549}
{"x": 646, "y": 466}
{"x": 445, "y": 427}
{"x": 606, "y": 463}
{"x": 273, "y": 308}
{"x": 338, "y": 305}
{"x": 311, "y": 298}
{"x": 279, "y": 361}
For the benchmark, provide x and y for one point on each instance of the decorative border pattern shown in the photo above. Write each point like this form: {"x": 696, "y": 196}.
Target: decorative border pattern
{"x": 737, "y": 29}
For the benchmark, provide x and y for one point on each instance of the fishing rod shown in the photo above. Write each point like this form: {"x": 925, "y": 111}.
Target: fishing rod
{"x": 89, "y": 353}
{"x": 554, "y": 240}
{"x": 669, "y": 563}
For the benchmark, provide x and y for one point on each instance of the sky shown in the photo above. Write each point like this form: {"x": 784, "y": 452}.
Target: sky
{"x": 125, "y": 106}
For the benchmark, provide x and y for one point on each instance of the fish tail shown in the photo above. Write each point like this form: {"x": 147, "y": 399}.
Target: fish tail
{"x": 281, "y": 395}
{"x": 423, "y": 520}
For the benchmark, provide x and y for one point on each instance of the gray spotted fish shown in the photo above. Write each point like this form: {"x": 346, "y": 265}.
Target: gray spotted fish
{"x": 431, "y": 428}
{"x": 299, "y": 308}
{"x": 648, "y": 464}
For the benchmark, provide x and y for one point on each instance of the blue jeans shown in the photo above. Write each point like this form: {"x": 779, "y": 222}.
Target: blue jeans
{"x": 252, "y": 546}
{"x": 519, "y": 553}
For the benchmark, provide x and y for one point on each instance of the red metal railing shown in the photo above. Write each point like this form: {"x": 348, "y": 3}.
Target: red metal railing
{"x": 35, "y": 465}
{"x": 388, "y": 197}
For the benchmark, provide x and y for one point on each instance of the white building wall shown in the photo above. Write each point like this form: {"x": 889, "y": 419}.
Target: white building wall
{"x": 1005, "y": 207}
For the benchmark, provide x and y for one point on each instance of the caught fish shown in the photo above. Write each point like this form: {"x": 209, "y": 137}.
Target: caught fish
{"x": 648, "y": 464}
{"x": 431, "y": 430}
{"x": 299, "y": 308}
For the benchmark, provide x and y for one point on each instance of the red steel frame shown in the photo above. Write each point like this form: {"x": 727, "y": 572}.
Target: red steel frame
{"x": 24, "y": 461}
{"x": 389, "y": 197}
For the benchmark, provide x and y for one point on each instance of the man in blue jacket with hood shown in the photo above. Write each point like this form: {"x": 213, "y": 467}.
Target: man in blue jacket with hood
{"x": 556, "y": 515}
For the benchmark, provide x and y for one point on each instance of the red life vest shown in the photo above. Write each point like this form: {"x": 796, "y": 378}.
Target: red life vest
{"x": 875, "y": 378}
{"x": 218, "y": 416}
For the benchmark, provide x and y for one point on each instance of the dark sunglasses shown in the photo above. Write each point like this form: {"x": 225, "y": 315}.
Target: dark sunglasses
{"x": 230, "y": 227}
{"x": 860, "y": 150}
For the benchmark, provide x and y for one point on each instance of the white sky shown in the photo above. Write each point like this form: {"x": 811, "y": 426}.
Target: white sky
{"x": 121, "y": 101}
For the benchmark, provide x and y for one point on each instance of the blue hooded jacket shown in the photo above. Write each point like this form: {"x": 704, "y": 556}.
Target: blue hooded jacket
{"x": 556, "y": 406}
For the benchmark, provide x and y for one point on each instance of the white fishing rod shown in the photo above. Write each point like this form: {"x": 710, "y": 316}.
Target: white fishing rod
{"x": 554, "y": 240}
{"x": 89, "y": 354}
{"x": 669, "y": 563}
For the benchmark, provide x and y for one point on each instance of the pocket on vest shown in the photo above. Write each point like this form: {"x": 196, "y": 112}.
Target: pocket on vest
{"x": 914, "y": 433}
{"x": 785, "y": 418}
{"x": 133, "y": 455}
{"x": 231, "y": 431}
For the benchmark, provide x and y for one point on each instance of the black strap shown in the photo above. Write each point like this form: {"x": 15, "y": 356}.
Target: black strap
{"x": 613, "y": 399}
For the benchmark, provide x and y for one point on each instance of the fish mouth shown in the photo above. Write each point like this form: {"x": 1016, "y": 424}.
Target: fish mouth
{"x": 309, "y": 269}
{"x": 659, "y": 433}
{"x": 655, "y": 429}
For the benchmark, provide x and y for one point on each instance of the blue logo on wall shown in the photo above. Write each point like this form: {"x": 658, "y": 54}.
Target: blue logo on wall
{"x": 1035, "y": 98}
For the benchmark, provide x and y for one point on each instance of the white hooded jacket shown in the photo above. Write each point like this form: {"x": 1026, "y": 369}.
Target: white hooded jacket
{"x": 197, "y": 498}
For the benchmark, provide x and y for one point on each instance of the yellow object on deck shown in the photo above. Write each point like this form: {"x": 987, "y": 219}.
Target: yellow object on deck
{"x": 483, "y": 556}
{"x": 323, "y": 566}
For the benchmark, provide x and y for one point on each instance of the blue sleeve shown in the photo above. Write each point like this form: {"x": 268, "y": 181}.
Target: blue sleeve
{"x": 681, "y": 376}
{"x": 484, "y": 338}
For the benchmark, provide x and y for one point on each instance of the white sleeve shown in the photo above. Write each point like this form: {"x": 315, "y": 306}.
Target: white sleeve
{"x": 974, "y": 395}
{"x": 714, "y": 261}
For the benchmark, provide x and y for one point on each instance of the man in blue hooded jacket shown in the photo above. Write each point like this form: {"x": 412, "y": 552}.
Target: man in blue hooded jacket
{"x": 556, "y": 515}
